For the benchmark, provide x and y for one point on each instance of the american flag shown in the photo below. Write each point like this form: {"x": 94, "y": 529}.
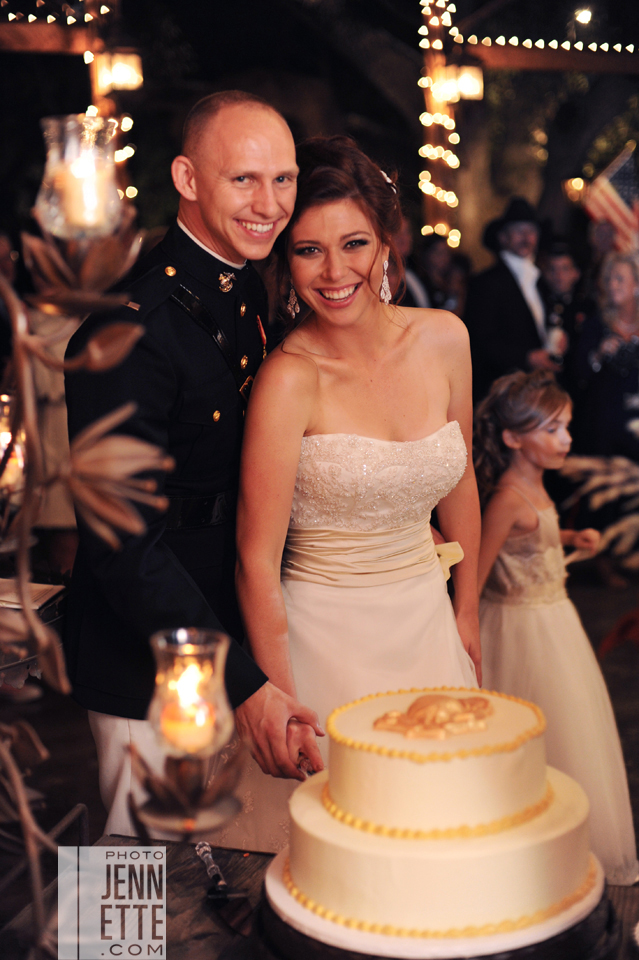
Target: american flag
{"x": 614, "y": 196}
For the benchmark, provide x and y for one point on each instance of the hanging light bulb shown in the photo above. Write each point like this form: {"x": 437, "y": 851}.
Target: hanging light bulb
{"x": 583, "y": 16}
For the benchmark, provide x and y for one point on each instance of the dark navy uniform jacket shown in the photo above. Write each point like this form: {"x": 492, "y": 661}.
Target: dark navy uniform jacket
{"x": 188, "y": 403}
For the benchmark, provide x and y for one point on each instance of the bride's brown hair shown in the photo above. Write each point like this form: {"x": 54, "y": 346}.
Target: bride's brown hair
{"x": 519, "y": 402}
{"x": 333, "y": 169}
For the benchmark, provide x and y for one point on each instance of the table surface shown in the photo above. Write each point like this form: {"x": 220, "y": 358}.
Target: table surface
{"x": 197, "y": 932}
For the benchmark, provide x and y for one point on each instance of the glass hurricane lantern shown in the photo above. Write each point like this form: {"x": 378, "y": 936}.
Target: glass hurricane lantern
{"x": 193, "y": 721}
{"x": 78, "y": 198}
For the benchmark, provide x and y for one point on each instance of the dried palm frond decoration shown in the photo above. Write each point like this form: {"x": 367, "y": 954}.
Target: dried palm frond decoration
{"x": 101, "y": 475}
{"x": 603, "y": 481}
{"x": 608, "y": 480}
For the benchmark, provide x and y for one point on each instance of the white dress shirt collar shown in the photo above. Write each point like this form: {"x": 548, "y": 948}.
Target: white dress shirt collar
{"x": 526, "y": 275}
{"x": 229, "y": 263}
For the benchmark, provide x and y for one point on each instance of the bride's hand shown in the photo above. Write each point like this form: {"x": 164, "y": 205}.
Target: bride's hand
{"x": 302, "y": 747}
{"x": 262, "y": 723}
{"x": 468, "y": 626}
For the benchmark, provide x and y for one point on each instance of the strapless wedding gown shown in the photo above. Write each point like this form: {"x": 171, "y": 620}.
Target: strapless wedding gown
{"x": 365, "y": 594}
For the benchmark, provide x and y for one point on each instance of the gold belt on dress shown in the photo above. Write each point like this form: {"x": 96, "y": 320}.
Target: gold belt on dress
{"x": 352, "y": 558}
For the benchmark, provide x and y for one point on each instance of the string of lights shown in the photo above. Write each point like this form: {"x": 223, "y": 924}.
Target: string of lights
{"x": 440, "y": 84}
{"x": 52, "y": 11}
{"x": 446, "y": 83}
{"x": 111, "y": 69}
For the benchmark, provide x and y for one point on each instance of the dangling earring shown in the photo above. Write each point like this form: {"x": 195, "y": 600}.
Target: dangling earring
{"x": 293, "y": 306}
{"x": 385, "y": 294}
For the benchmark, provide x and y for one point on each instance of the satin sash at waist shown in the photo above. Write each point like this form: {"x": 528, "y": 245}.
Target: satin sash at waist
{"x": 530, "y": 595}
{"x": 353, "y": 558}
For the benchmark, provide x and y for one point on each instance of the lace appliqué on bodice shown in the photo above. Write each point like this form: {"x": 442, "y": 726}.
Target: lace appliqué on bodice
{"x": 349, "y": 482}
{"x": 530, "y": 569}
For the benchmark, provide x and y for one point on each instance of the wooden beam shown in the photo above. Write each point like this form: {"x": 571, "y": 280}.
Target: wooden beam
{"x": 493, "y": 6}
{"x": 509, "y": 57}
{"x": 45, "y": 38}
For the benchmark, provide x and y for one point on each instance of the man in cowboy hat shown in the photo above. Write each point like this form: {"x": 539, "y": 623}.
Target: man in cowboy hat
{"x": 505, "y": 313}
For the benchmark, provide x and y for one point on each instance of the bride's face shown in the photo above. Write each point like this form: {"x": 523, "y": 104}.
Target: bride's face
{"x": 336, "y": 261}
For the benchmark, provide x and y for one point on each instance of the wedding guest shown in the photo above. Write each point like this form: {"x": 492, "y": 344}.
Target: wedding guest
{"x": 414, "y": 292}
{"x": 457, "y": 284}
{"x": 436, "y": 257}
{"x": 601, "y": 240}
{"x": 608, "y": 364}
{"x": 566, "y": 309}
{"x": 505, "y": 313}
{"x": 236, "y": 177}
{"x": 607, "y": 367}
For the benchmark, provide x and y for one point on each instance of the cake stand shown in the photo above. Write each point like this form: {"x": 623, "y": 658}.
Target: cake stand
{"x": 586, "y": 931}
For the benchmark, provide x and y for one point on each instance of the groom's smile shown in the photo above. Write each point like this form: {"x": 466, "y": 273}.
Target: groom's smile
{"x": 238, "y": 181}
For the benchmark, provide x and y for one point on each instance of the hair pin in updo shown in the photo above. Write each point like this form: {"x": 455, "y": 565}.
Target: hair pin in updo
{"x": 388, "y": 179}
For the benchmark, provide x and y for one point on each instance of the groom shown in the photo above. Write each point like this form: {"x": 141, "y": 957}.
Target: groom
{"x": 204, "y": 311}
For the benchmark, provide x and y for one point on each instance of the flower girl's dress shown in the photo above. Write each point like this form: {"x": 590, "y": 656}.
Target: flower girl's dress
{"x": 534, "y": 646}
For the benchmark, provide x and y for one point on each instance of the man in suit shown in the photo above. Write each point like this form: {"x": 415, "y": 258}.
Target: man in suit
{"x": 505, "y": 313}
{"x": 203, "y": 307}
{"x": 567, "y": 310}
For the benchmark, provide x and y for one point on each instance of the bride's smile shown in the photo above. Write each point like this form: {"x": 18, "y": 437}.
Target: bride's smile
{"x": 336, "y": 261}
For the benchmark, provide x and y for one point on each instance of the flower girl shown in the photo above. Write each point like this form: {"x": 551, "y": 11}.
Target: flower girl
{"x": 533, "y": 643}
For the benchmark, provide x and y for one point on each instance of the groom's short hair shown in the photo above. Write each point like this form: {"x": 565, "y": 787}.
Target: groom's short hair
{"x": 206, "y": 109}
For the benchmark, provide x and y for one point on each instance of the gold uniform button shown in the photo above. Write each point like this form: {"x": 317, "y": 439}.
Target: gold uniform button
{"x": 216, "y": 415}
{"x": 170, "y": 271}
{"x": 244, "y": 362}
{"x": 242, "y": 309}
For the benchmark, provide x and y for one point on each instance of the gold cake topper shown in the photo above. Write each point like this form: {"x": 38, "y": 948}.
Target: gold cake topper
{"x": 436, "y": 716}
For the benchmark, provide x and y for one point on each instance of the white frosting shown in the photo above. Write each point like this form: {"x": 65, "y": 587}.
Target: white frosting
{"x": 440, "y": 885}
{"x": 492, "y": 775}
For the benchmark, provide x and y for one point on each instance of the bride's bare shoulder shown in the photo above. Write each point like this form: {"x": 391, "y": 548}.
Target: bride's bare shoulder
{"x": 437, "y": 327}
{"x": 288, "y": 369}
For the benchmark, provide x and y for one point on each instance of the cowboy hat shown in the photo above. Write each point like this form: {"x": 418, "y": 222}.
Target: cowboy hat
{"x": 517, "y": 211}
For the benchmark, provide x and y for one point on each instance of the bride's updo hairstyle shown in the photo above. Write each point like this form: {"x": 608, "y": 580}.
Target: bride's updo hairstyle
{"x": 520, "y": 402}
{"x": 333, "y": 169}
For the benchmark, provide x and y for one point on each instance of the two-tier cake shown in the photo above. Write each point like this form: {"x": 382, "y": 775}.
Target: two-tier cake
{"x": 438, "y": 821}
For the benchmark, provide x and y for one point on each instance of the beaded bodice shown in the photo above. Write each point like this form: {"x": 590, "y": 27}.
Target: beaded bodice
{"x": 348, "y": 482}
{"x": 530, "y": 569}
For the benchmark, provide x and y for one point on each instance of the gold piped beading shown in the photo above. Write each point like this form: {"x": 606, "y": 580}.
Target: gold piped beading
{"x": 436, "y": 757}
{"x": 455, "y": 933}
{"x": 449, "y": 833}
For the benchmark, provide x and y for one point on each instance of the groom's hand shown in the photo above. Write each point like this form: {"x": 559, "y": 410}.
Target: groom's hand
{"x": 262, "y": 722}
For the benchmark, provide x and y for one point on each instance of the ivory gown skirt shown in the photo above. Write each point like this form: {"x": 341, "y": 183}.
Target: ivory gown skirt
{"x": 347, "y": 642}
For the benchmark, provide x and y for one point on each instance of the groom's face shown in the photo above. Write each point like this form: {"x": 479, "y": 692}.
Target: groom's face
{"x": 245, "y": 175}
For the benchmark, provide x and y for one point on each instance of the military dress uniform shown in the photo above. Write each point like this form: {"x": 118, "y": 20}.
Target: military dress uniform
{"x": 188, "y": 377}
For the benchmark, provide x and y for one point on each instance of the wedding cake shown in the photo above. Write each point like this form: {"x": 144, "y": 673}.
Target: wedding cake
{"x": 439, "y": 819}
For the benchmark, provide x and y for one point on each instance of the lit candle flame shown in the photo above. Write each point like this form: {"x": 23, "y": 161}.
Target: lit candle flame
{"x": 190, "y": 723}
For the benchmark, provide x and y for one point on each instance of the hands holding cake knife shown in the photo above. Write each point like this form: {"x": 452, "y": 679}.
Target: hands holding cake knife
{"x": 280, "y": 733}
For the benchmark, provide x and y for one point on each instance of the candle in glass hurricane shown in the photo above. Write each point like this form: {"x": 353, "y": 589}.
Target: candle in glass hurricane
{"x": 189, "y": 710}
{"x": 189, "y": 723}
{"x": 84, "y": 187}
{"x": 78, "y": 197}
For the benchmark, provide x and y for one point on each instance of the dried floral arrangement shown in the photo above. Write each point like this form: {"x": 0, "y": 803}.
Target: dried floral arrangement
{"x": 603, "y": 481}
{"x": 606, "y": 480}
{"x": 70, "y": 278}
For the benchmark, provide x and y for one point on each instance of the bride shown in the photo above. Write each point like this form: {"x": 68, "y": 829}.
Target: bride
{"x": 358, "y": 426}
